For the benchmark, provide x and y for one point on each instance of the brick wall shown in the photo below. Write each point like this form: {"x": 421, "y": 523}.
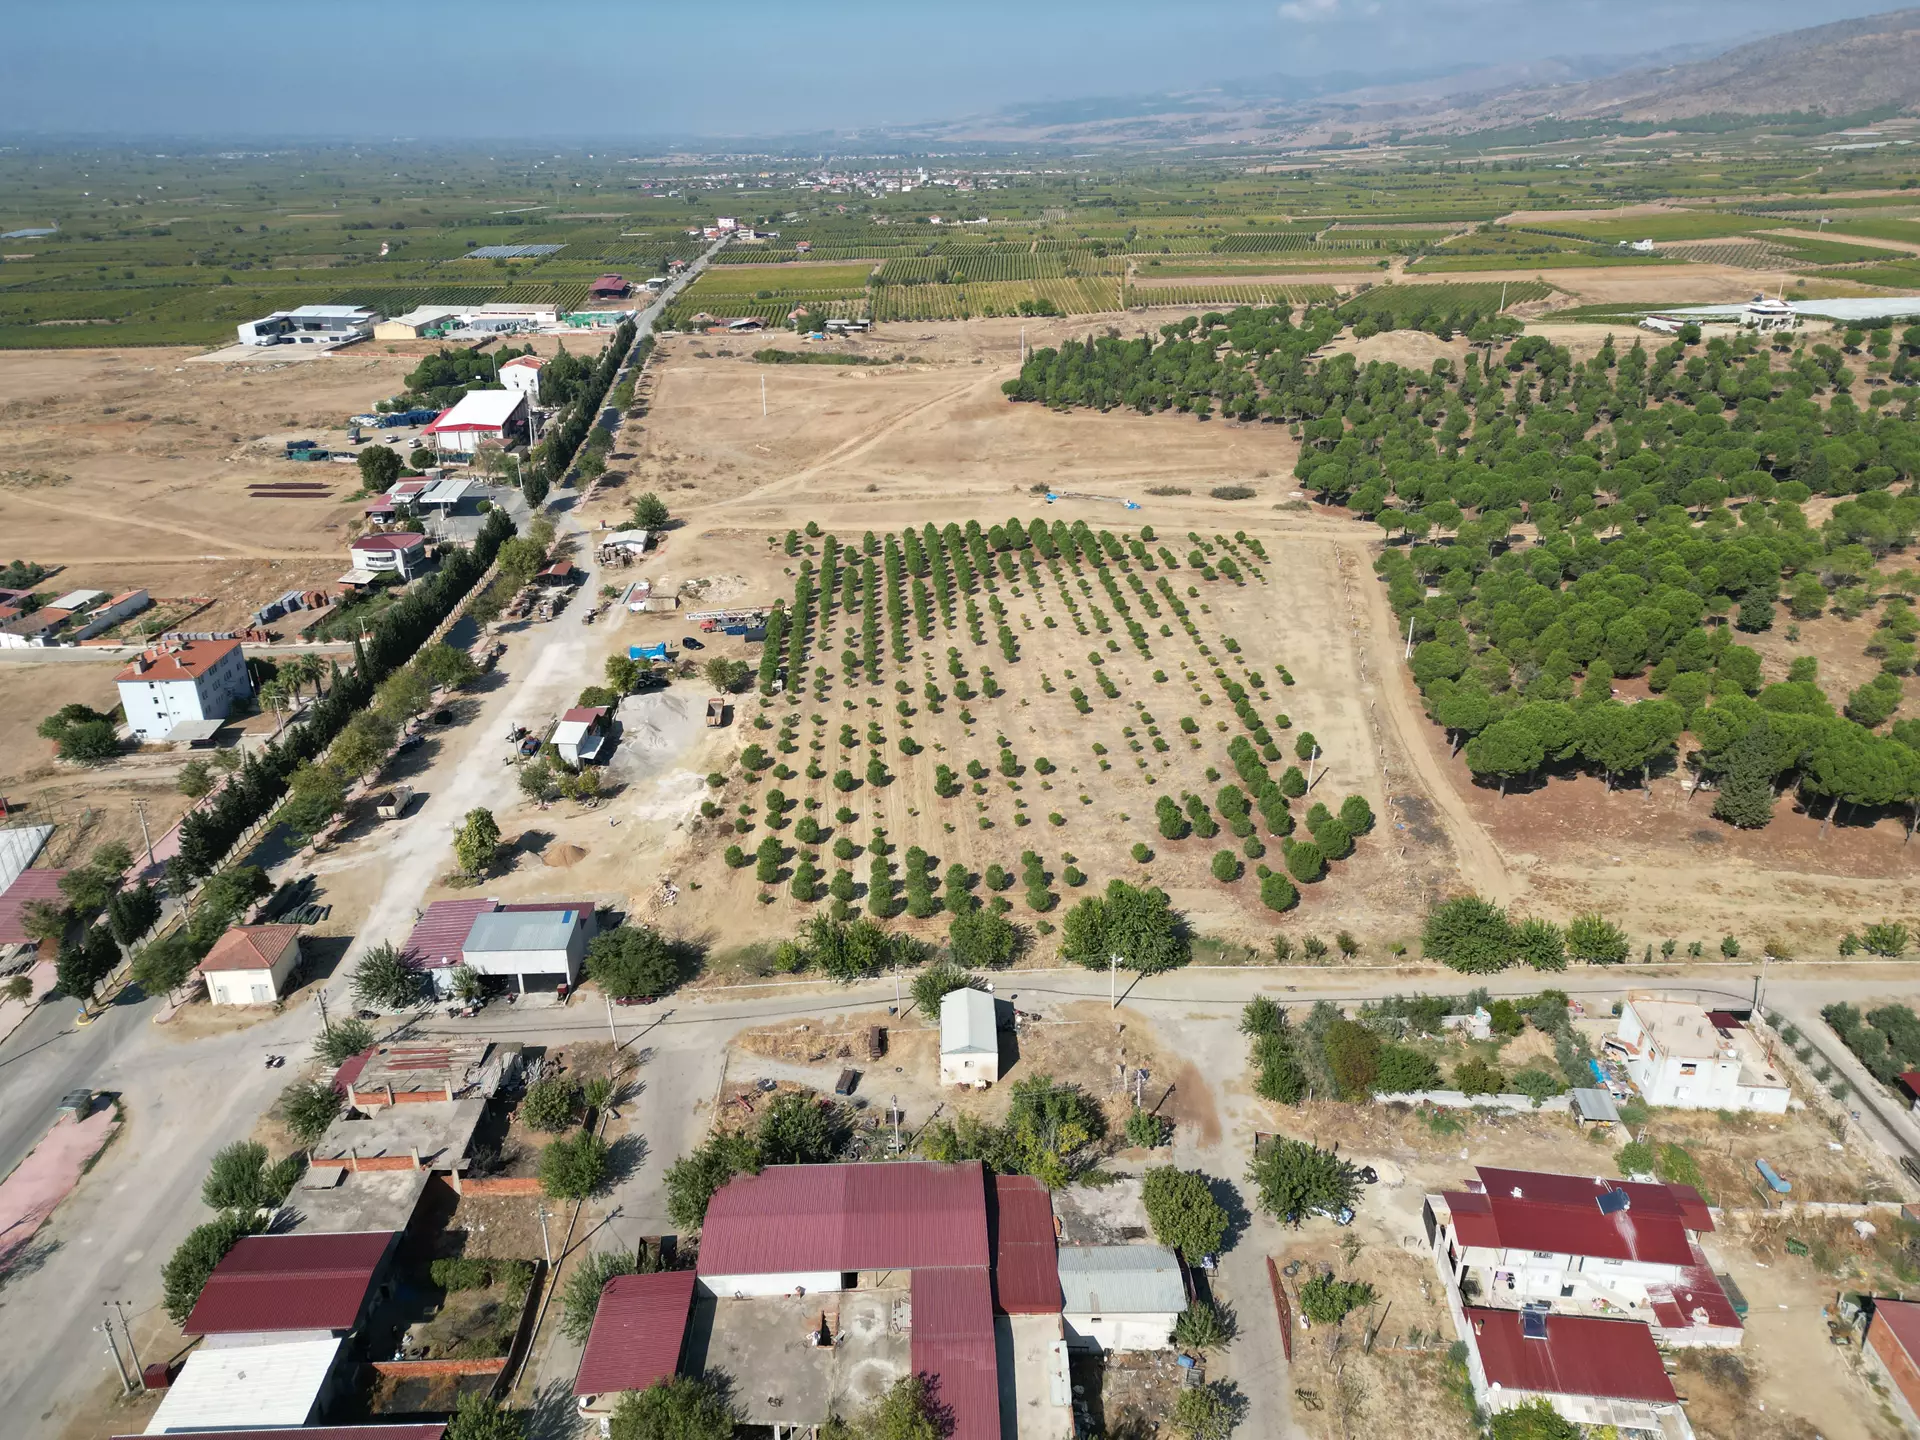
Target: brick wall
{"x": 404, "y": 1369}
{"x": 506, "y": 1185}
{"x": 1900, "y": 1368}
{"x": 366, "y": 1162}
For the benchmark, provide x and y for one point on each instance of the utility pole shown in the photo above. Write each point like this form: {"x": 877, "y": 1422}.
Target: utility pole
{"x": 894, "y": 1106}
{"x": 133, "y": 1353}
{"x": 613, "y": 1034}
{"x": 113, "y": 1347}
{"x": 545, "y": 1244}
{"x": 140, "y": 809}
{"x": 1409, "y": 654}
{"x": 1113, "y": 980}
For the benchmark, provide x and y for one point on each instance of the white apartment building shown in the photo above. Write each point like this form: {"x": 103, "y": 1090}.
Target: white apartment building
{"x": 1679, "y": 1054}
{"x": 180, "y": 683}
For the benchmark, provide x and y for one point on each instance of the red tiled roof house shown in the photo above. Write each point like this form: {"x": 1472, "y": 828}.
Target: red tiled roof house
{"x": 251, "y": 964}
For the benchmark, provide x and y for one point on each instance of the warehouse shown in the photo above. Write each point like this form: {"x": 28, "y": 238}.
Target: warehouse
{"x": 419, "y": 322}
{"x": 1121, "y": 1297}
{"x": 311, "y": 325}
{"x": 495, "y": 417}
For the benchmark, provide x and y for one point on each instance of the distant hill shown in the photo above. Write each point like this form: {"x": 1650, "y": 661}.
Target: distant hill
{"x": 1847, "y": 68}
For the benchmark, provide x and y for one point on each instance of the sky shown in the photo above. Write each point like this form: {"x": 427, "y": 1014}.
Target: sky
{"x": 499, "y": 69}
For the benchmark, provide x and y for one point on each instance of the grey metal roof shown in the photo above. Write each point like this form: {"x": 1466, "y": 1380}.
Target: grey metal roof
{"x": 1853, "y": 308}
{"x": 504, "y": 930}
{"x": 1594, "y": 1104}
{"x": 1121, "y": 1280}
{"x": 967, "y": 1023}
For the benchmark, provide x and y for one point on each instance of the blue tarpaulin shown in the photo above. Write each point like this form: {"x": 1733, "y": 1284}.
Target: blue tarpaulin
{"x": 647, "y": 652}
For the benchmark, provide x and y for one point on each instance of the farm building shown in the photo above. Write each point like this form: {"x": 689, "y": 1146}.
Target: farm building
{"x": 422, "y": 320}
{"x": 522, "y": 374}
{"x": 843, "y": 1247}
{"x": 1679, "y": 1054}
{"x": 282, "y": 1385}
{"x": 1893, "y": 1340}
{"x": 400, "y": 554}
{"x": 1591, "y": 1371}
{"x": 311, "y": 325}
{"x": 609, "y": 287}
{"x": 581, "y": 734}
{"x": 503, "y": 317}
{"x": 251, "y": 964}
{"x": 1571, "y": 1243}
{"x": 969, "y": 1038}
{"x": 1121, "y": 1297}
{"x": 496, "y": 417}
{"x": 184, "y": 683}
{"x": 540, "y": 946}
{"x": 293, "y": 1286}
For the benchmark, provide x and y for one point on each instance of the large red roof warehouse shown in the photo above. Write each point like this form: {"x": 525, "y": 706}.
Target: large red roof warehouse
{"x": 290, "y": 1282}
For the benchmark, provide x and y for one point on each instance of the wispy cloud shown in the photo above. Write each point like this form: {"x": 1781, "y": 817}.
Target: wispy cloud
{"x": 1309, "y": 12}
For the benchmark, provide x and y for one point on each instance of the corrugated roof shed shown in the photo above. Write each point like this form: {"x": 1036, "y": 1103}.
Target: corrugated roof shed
{"x": 508, "y": 930}
{"x": 440, "y": 936}
{"x": 249, "y": 947}
{"x": 1561, "y": 1214}
{"x": 967, "y": 1025}
{"x": 242, "y": 1386}
{"x": 953, "y": 1345}
{"x": 290, "y": 1282}
{"x": 481, "y": 410}
{"x": 1026, "y": 1273}
{"x": 1581, "y": 1355}
{"x": 809, "y": 1218}
{"x": 637, "y": 1333}
{"x": 1696, "y": 1298}
{"x": 27, "y": 887}
{"x": 1121, "y": 1280}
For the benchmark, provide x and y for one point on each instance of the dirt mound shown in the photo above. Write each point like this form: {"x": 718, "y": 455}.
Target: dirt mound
{"x": 563, "y": 856}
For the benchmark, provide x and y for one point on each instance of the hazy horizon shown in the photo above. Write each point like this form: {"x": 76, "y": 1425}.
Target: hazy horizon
{"x": 594, "y": 69}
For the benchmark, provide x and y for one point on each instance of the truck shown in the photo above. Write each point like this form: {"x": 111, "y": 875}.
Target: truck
{"x": 391, "y": 804}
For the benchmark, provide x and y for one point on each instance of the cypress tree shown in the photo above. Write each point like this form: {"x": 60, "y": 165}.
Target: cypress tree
{"x": 1746, "y": 782}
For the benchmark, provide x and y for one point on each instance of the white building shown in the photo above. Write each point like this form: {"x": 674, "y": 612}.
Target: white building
{"x": 311, "y": 325}
{"x": 522, "y": 375}
{"x": 541, "y": 946}
{"x": 581, "y": 734}
{"x": 1120, "y": 1297}
{"x": 1581, "y": 1245}
{"x": 969, "y": 1038}
{"x": 282, "y": 1385}
{"x": 497, "y": 417}
{"x": 251, "y": 964}
{"x": 182, "y": 682}
{"x": 1679, "y": 1054}
{"x": 401, "y": 553}
{"x": 504, "y": 317}
{"x": 102, "y": 617}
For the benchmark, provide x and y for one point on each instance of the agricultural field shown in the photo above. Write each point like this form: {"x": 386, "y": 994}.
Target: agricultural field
{"x": 1058, "y": 705}
{"x": 991, "y": 298}
{"x": 1228, "y": 294}
{"x": 1405, "y": 304}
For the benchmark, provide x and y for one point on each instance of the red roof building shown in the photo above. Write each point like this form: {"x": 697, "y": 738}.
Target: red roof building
{"x": 1026, "y": 1264}
{"x": 637, "y": 1333}
{"x": 815, "y": 1219}
{"x": 280, "y": 1283}
{"x": 434, "y": 1431}
{"x": 953, "y": 1345}
{"x": 1574, "y": 1355}
{"x": 437, "y": 937}
{"x": 28, "y": 887}
{"x": 178, "y": 660}
{"x": 609, "y": 287}
{"x": 1893, "y": 1339}
{"x": 250, "y": 947}
{"x": 1579, "y": 1215}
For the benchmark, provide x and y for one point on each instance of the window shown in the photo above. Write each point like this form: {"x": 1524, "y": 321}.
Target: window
{"x": 1688, "y": 1068}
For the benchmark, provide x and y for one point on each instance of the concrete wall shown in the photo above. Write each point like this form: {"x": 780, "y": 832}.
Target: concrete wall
{"x": 1120, "y": 1332}
{"x": 966, "y": 1068}
{"x": 726, "y": 1287}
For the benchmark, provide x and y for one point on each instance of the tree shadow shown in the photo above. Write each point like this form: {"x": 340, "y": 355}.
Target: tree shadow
{"x": 1227, "y": 1196}
{"x": 552, "y": 1415}
{"x": 625, "y": 1157}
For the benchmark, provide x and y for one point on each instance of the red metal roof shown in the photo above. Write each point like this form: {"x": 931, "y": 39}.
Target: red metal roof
{"x": 1581, "y": 1355}
{"x": 350, "y": 1069}
{"x": 178, "y": 660}
{"x": 1694, "y": 1299}
{"x": 433, "y": 1431}
{"x": 1561, "y": 1214}
{"x": 1725, "y": 1020}
{"x": 438, "y": 941}
{"x": 637, "y": 1333}
{"x": 1026, "y": 1268}
{"x": 401, "y": 540}
{"x": 1694, "y": 1213}
{"x": 249, "y": 947}
{"x": 27, "y": 887}
{"x": 953, "y": 1347}
{"x": 1901, "y": 1319}
{"x": 1910, "y": 1079}
{"x": 584, "y": 714}
{"x": 902, "y": 1215}
{"x": 290, "y": 1282}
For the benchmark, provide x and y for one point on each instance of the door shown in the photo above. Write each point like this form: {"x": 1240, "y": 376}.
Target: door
{"x": 262, "y": 993}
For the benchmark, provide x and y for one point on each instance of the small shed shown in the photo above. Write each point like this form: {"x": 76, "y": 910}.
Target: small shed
{"x": 1594, "y": 1107}
{"x": 543, "y": 945}
{"x": 969, "y": 1038}
{"x": 251, "y": 964}
{"x": 1120, "y": 1297}
{"x": 581, "y": 734}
